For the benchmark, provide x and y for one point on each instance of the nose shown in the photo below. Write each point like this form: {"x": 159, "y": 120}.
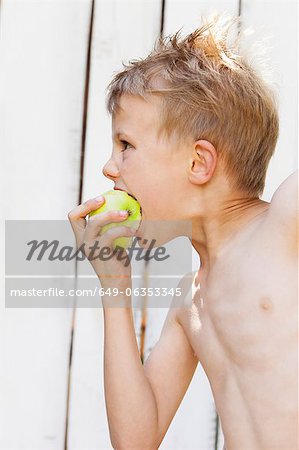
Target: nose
{"x": 110, "y": 170}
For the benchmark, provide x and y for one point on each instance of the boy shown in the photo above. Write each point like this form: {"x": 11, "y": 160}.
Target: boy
{"x": 194, "y": 128}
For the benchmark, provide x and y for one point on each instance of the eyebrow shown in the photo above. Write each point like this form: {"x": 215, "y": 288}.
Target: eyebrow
{"x": 117, "y": 135}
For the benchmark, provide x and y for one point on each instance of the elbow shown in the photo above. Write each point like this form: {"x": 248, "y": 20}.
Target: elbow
{"x": 121, "y": 444}
{"x": 138, "y": 436}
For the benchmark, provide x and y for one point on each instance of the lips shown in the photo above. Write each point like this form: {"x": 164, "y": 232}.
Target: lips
{"x": 119, "y": 189}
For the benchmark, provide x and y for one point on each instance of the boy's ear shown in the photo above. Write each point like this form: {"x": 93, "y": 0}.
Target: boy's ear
{"x": 203, "y": 162}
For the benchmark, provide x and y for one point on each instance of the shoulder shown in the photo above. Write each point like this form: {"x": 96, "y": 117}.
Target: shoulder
{"x": 182, "y": 298}
{"x": 283, "y": 209}
{"x": 284, "y": 203}
{"x": 286, "y": 195}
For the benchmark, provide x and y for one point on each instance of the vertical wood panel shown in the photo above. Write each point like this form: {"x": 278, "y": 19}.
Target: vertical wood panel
{"x": 123, "y": 30}
{"x": 275, "y": 24}
{"x": 42, "y": 56}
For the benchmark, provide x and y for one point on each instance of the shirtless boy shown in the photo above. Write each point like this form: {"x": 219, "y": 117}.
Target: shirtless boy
{"x": 194, "y": 128}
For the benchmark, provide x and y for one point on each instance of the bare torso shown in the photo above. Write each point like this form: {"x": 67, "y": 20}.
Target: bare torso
{"x": 243, "y": 328}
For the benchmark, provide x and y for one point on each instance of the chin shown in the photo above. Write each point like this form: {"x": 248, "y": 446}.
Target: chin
{"x": 155, "y": 233}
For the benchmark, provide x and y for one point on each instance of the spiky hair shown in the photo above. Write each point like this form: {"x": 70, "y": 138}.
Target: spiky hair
{"x": 208, "y": 90}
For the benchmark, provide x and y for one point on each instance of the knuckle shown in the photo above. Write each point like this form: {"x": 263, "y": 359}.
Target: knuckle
{"x": 94, "y": 219}
{"x": 87, "y": 202}
{"x": 71, "y": 214}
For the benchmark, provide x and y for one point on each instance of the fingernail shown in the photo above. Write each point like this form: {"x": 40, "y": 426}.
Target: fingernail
{"x": 100, "y": 198}
{"x": 123, "y": 213}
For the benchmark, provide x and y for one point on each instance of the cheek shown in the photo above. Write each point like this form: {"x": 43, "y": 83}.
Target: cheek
{"x": 149, "y": 183}
{"x": 156, "y": 201}
{"x": 129, "y": 166}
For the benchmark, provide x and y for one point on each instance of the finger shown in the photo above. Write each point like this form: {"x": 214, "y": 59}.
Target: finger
{"x": 96, "y": 222}
{"x": 110, "y": 235}
{"x": 77, "y": 215}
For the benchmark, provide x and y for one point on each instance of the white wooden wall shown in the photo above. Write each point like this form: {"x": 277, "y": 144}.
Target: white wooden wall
{"x": 42, "y": 58}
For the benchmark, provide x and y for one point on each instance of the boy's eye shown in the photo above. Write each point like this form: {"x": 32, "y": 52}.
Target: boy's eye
{"x": 125, "y": 144}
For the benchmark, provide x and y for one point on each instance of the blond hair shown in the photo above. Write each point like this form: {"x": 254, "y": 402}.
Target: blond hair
{"x": 208, "y": 91}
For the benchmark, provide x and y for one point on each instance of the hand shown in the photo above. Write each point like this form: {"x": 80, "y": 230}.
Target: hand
{"x": 111, "y": 269}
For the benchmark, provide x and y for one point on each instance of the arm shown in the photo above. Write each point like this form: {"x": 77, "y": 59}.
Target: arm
{"x": 141, "y": 401}
{"x": 169, "y": 369}
{"x": 283, "y": 211}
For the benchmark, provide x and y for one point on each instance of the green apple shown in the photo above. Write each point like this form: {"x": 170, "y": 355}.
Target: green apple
{"x": 116, "y": 200}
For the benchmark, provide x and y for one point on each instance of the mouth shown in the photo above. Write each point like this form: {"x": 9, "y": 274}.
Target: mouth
{"x": 119, "y": 189}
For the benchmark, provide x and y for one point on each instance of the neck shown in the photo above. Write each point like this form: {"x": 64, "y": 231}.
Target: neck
{"x": 216, "y": 230}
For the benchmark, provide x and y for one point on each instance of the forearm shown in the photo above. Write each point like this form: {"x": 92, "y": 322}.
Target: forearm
{"x": 130, "y": 402}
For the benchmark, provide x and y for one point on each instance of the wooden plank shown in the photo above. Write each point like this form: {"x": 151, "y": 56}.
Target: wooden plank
{"x": 274, "y": 23}
{"x": 43, "y": 47}
{"x": 122, "y": 30}
{"x": 188, "y": 13}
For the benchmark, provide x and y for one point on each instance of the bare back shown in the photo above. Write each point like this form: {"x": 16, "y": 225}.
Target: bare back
{"x": 242, "y": 326}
